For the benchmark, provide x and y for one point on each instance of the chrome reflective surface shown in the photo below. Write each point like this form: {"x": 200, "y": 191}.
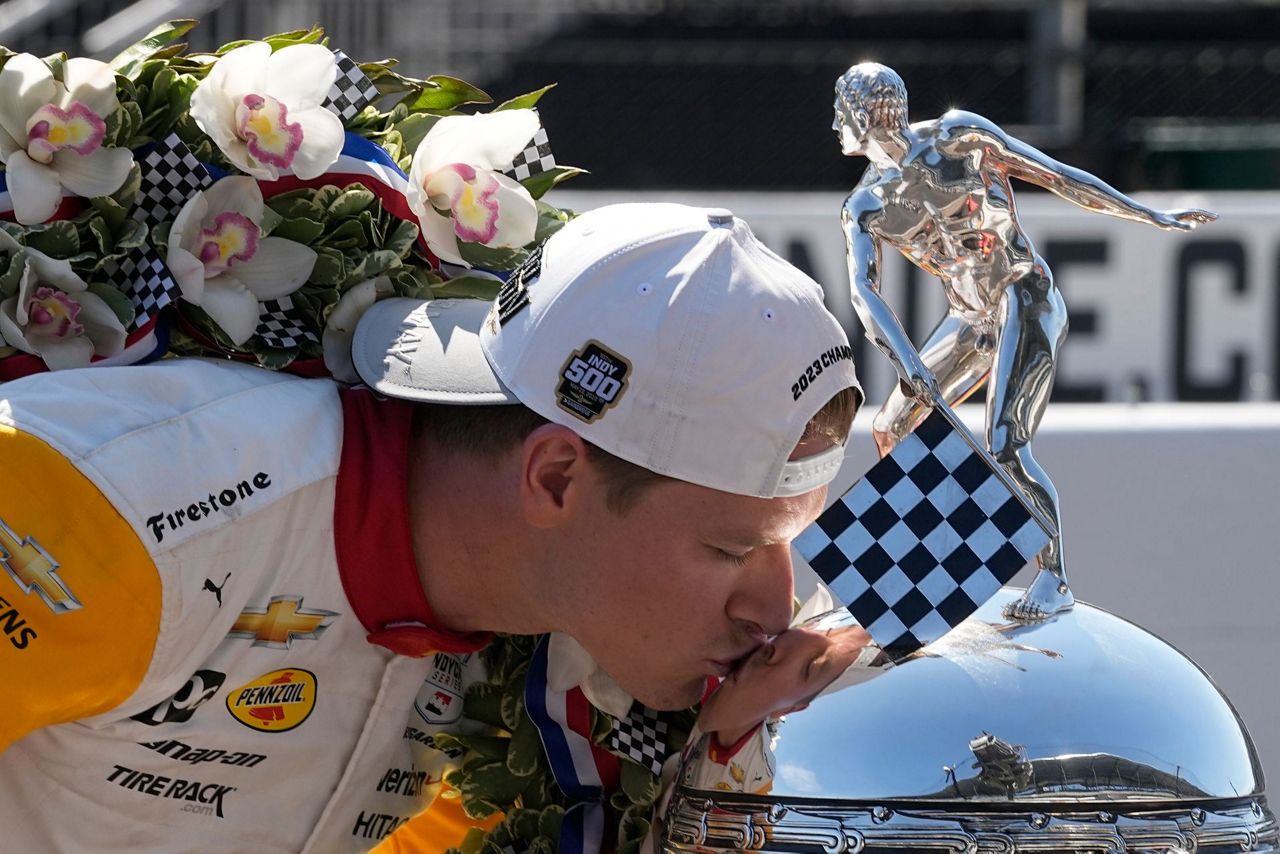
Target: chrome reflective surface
{"x": 1080, "y": 732}
{"x": 940, "y": 192}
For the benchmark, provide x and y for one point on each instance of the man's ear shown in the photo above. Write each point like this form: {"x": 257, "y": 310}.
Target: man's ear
{"x": 553, "y": 473}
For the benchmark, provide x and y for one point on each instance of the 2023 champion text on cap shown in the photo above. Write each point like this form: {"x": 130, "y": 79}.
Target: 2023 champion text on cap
{"x": 666, "y": 335}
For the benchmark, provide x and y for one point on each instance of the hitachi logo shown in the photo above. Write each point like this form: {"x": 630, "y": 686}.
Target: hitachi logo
{"x": 202, "y": 508}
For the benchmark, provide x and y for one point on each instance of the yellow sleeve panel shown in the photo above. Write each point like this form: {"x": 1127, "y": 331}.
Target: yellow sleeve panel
{"x": 80, "y": 597}
{"x": 440, "y": 826}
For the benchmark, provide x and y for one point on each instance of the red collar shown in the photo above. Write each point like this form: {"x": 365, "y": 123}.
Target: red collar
{"x": 372, "y": 536}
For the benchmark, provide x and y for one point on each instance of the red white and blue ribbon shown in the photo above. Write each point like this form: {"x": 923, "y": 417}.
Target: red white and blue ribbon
{"x": 584, "y": 771}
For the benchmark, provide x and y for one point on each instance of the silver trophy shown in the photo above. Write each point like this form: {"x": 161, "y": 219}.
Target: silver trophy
{"x": 939, "y": 192}
{"x": 1033, "y": 725}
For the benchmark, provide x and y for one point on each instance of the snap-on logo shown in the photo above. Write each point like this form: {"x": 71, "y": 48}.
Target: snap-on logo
{"x": 592, "y": 381}
{"x": 202, "y": 508}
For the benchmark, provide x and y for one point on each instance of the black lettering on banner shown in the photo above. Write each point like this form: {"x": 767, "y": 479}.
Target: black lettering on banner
{"x": 376, "y": 825}
{"x": 592, "y": 381}
{"x": 1061, "y": 255}
{"x": 1194, "y": 254}
{"x": 174, "y": 519}
{"x": 406, "y": 783}
{"x": 175, "y": 788}
{"x": 199, "y": 689}
{"x": 197, "y": 755}
{"x": 15, "y": 626}
{"x": 825, "y": 360}
{"x": 514, "y": 294}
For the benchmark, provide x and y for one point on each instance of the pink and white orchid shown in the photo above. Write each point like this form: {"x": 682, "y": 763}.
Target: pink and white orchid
{"x": 456, "y": 191}
{"x": 340, "y": 328}
{"x": 51, "y": 134}
{"x": 53, "y": 315}
{"x": 264, "y": 110}
{"x": 223, "y": 264}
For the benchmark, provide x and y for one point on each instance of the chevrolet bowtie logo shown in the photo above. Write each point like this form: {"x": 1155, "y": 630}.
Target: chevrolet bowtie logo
{"x": 283, "y": 621}
{"x": 33, "y": 568}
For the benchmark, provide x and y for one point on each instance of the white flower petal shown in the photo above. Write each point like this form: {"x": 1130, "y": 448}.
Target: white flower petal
{"x": 63, "y": 353}
{"x": 241, "y": 71}
{"x": 56, "y": 272}
{"x": 233, "y": 193}
{"x": 517, "y": 214}
{"x": 92, "y": 83}
{"x": 277, "y": 269}
{"x": 98, "y": 173}
{"x": 341, "y": 326}
{"x": 187, "y": 224}
{"x": 7, "y": 144}
{"x": 300, "y": 75}
{"x": 438, "y": 231}
{"x": 231, "y": 306}
{"x": 485, "y": 141}
{"x": 33, "y": 187}
{"x": 27, "y": 84}
{"x": 101, "y": 326}
{"x": 214, "y": 112}
{"x": 214, "y": 101}
{"x": 238, "y": 153}
{"x": 10, "y": 328}
{"x": 322, "y": 138}
{"x": 188, "y": 272}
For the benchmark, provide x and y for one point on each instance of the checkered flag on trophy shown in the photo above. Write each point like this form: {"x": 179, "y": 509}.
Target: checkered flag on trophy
{"x": 171, "y": 174}
{"x": 534, "y": 159}
{"x": 282, "y": 326}
{"x": 352, "y": 90}
{"x": 145, "y": 279}
{"x": 926, "y": 537}
{"x": 641, "y": 736}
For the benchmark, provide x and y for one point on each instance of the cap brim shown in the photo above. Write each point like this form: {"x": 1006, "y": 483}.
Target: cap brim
{"x": 427, "y": 351}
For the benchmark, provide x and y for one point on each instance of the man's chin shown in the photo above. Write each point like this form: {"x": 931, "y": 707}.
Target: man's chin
{"x": 670, "y": 699}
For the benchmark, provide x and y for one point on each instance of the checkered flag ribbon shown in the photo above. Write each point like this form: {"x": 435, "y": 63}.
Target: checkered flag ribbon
{"x": 145, "y": 279}
{"x": 928, "y": 536}
{"x": 534, "y": 159}
{"x": 351, "y": 92}
{"x": 281, "y": 326}
{"x": 170, "y": 176}
{"x": 641, "y": 736}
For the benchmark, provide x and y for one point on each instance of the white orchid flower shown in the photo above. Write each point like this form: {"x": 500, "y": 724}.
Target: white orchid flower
{"x": 456, "y": 191}
{"x": 264, "y": 110}
{"x": 223, "y": 264}
{"x": 340, "y": 328}
{"x": 54, "y": 316}
{"x": 51, "y": 134}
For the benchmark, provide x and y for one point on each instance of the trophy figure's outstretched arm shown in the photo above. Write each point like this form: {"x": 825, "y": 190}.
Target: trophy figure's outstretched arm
{"x": 1027, "y": 163}
{"x": 883, "y": 328}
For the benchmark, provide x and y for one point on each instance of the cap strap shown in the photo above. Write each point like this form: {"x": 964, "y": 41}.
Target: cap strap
{"x": 800, "y": 476}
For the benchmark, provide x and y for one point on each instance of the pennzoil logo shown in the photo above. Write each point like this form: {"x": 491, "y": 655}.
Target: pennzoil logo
{"x": 283, "y": 621}
{"x": 33, "y": 568}
{"x": 275, "y": 702}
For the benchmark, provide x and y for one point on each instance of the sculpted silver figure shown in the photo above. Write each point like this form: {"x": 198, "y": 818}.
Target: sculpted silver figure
{"x": 939, "y": 192}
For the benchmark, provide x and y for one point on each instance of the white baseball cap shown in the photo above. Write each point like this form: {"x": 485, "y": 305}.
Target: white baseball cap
{"x": 663, "y": 334}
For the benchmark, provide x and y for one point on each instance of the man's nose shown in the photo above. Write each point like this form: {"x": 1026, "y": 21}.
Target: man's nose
{"x": 764, "y": 597}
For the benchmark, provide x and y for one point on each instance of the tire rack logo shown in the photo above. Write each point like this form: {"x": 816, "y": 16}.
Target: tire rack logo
{"x": 200, "y": 688}
{"x": 283, "y": 621}
{"x": 33, "y": 568}
{"x": 592, "y": 380}
{"x": 275, "y": 702}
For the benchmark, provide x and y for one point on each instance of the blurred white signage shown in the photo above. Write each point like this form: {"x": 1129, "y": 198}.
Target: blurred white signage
{"x": 1155, "y": 315}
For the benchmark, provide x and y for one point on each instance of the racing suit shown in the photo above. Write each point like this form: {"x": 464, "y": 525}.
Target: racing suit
{"x": 213, "y": 636}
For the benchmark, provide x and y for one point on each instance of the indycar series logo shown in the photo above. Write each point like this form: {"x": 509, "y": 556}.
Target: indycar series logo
{"x": 275, "y": 702}
{"x": 439, "y": 700}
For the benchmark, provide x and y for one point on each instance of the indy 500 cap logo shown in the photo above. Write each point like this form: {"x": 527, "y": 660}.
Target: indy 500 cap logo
{"x": 591, "y": 381}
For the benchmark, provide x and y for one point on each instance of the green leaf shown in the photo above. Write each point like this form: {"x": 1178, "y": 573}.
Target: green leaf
{"x": 311, "y": 36}
{"x": 129, "y": 61}
{"x": 112, "y": 211}
{"x": 127, "y": 193}
{"x": 270, "y": 219}
{"x": 487, "y": 258}
{"x": 348, "y": 235}
{"x": 539, "y": 184}
{"x": 130, "y": 235}
{"x": 376, "y": 263}
{"x": 58, "y": 239}
{"x": 297, "y": 204}
{"x": 413, "y": 128}
{"x": 11, "y": 276}
{"x": 549, "y": 823}
{"x": 402, "y": 238}
{"x": 484, "y": 704}
{"x": 352, "y": 200}
{"x": 441, "y": 92}
{"x": 525, "y": 101}
{"x": 522, "y": 824}
{"x": 326, "y": 196}
{"x": 116, "y": 301}
{"x": 467, "y": 287}
{"x": 329, "y": 269}
{"x": 639, "y": 784}
{"x": 525, "y": 753}
{"x": 101, "y": 232}
{"x": 299, "y": 230}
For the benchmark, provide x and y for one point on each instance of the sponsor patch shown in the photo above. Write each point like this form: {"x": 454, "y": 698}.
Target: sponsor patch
{"x": 204, "y": 507}
{"x": 376, "y": 825}
{"x": 439, "y": 700}
{"x": 34, "y": 570}
{"x": 15, "y": 627}
{"x": 514, "y": 295}
{"x": 592, "y": 381}
{"x": 275, "y": 702}
{"x": 204, "y": 798}
{"x": 199, "y": 689}
{"x": 196, "y": 755}
{"x": 283, "y": 621}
